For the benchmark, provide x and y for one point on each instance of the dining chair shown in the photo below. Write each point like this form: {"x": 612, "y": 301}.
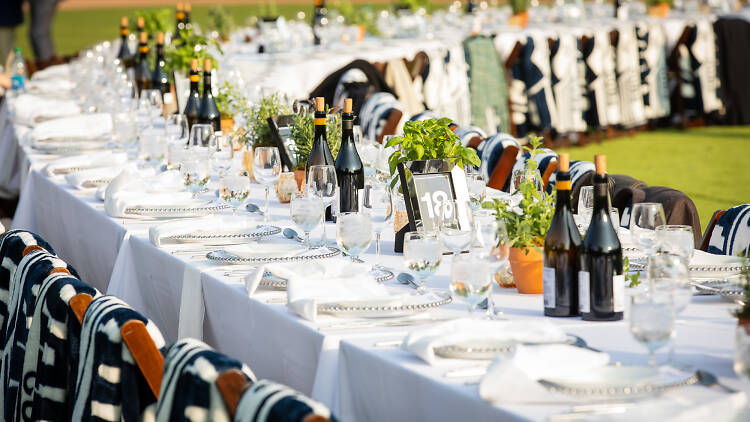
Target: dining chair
{"x": 499, "y": 154}
{"x": 728, "y": 232}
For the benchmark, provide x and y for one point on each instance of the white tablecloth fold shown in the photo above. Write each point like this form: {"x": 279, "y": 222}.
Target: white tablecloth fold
{"x": 85, "y": 126}
{"x": 130, "y": 189}
{"x": 30, "y": 109}
{"x": 513, "y": 379}
{"x": 209, "y": 224}
{"x": 87, "y": 161}
{"x": 423, "y": 341}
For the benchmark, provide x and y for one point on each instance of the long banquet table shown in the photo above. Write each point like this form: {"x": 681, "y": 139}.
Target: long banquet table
{"x": 342, "y": 366}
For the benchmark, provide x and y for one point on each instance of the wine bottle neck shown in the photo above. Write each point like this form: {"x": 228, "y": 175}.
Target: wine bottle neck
{"x": 207, "y": 84}
{"x": 563, "y": 191}
{"x": 601, "y": 195}
{"x": 347, "y": 128}
{"x": 195, "y": 79}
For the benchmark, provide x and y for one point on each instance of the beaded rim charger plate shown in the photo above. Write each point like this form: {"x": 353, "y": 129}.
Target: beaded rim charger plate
{"x": 490, "y": 349}
{"x": 229, "y": 237}
{"x": 404, "y": 306}
{"x": 270, "y": 280}
{"x": 230, "y": 258}
{"x": 195, "y": 209}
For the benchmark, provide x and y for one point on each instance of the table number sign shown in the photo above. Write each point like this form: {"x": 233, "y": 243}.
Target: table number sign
{"x": 429, "y": 186}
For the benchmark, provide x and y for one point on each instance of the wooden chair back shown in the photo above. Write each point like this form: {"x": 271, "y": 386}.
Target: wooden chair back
{"x": 504, "y": 166}
{"x": 391, "y": 124}
{"x": 147, "y": 356}
{"x": 709, "y": 230}
{"x": 548, "y": 172}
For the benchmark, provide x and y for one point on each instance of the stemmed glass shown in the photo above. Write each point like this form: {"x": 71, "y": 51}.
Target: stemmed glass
{"x": 176, "y": 128}
{"x": 456, "y": 237}
{"x": 521, "y": 175}
{"x": 492, "y": 237}
{"x": 267, "y": 169}
{"x": 647, "y": 216}
{"x": 585, "y": 205}
{"x": 477, "y": 188}
{"x": 670, "y": 274}
{"x": 220, "y": 154}
{"x": 353, "y": 233}
{"x": 423, "y": 255}
{"x": 200, "y": 135}
{"x": 377, "y": 201}
{"x": 675, "y": 239}
{"x": 306, "y": 212}
{"x": 321, "y": 182}
{"x": 652, "y": 320}
{"x": 234, "y": 190}
{"x": 470, "y": 279}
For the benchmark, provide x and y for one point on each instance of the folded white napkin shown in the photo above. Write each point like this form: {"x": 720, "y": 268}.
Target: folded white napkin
{"x": 513, "y": 379}
{"x": 74, "y": 127}
{"x": 422, "y": 342}
{"x": 58, "y": 71}
{"x": 209, "y": 224}
{"x": 331, "y": 280}
{"x": 31, "y": 109}
{"x": 80, "y": 179}
{"x": 129, "y": 189}
{"x": 701, "y": 258}
{"x": 52, "y": 86}
{"x": 87, "y": 161}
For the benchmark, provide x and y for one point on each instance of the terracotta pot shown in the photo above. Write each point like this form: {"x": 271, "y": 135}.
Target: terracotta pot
{"x": 299, "y": 177}
{"x": 227, "y": 125}
{"x": 527, "y": 270}
{"x": 660, "y": 10}
{"x": 744, "y": 322}
{"x": 519, "y": 19}
{"x": 248, "y": 157}
{"x": 361, "y": 33}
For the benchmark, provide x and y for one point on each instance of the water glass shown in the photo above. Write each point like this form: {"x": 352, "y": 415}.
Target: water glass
{"x": 267, "y": 169}
{"x": 195, "y": 172}
{"x": 234, "y": 190}
{"x": 221, "y": 154}
{"x": 742, "y": 353}
{"x": 646, "y": 217}
{"x": 422, "y": 255}
{"x": 176, "y": 152}
{"x": 675, "y": 239}
{"x": 455, "y": 237}
{"x": 152, "y": 148}
{"x": 670, "y": 273}
{"x": 306, "y": 212}
{"x": 353, "y": 233}
{"x": 200, "y": 135}
{"x": 586, "y": 204}
{"x": 176, "y": 128}
{"x": 477, "y": 187}
{"x": 652, "y": 320}
{"x": 377, "y": 202}
{"x": 321, "y": 183}
{"x": 525, "y": 175}
{"x": 470, "y": 279}
{"x": 125, "y": 130}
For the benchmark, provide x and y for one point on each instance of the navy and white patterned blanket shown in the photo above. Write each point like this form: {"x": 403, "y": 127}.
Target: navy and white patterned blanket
{"x": 268, "y": 401}
{"x": 109, "y": 385}
{"x": 188, "y": 388}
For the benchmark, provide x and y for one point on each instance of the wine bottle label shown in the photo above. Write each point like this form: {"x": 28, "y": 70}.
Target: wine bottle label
{"x": 548, "y": 278}
{"x": 563, "y": 185}
{"x": 195, "y": 78}
{"x": 584, "y": 298}
{"x": 320, "y": 121}
{"x": 618, "y": 289}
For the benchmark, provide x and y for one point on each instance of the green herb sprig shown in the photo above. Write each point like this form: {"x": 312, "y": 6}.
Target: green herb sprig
{"x": 230, "y": 102}
{"x": 220, "y": 20}
{"x": 191, "y": 46}
{"x": 257, "y": 124}
{"x": 303, "y": 132}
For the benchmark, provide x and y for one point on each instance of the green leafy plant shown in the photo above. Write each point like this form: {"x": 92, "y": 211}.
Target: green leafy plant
{"x": 220, "y": 20}
{"x": 519, "y": 6}
{"x": 744, "y": 311}
{"x": 230, "y": 102}
{"x": 257, "y": 123}
{"x": 357, "y": 15}
{"x": 427, "y": 140}
{"x": 635, "y": 278}
{"x": 154, "y": 21}
{"x": 303, "y": 131}
{"x": 192, "y": 46}
{"x": 527, "y": 216}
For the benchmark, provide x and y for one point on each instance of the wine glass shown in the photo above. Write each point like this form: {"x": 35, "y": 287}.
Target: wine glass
{"x": 321, "y": 182}
{"x": 377, "y": 202}
{"x": 647, "y": 216}
{"x": 353, "y": 233}
{"x": 220, "y": 153}
{"x": 267, "y": 169}
{"x": 652, "y": 320}
{"x": 306, "y": 212}
{"x": 586, "y": 204}
{"x": 234, "y": 190}
{"x": 423, "y": 255}
{"x": 470, "y": 279}
{"x": 200, "y": 135}
{"x": 525, "y": 175}
{"x": 492, "y": 237}
{"x": 477, "y": 187}
{"x": 675, "y": 239}
{"x": 455, "y": 237}
{"x": 176, "y": 128}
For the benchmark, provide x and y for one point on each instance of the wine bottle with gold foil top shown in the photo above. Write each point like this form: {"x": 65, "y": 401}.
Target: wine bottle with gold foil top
{"x": 320, "y": 153}
{"x": 179, "y": 24}
{"x": 142, "y": 71}
{"x": 140, "y": 23}
{"x": 319, "y": 19}
{"x": 350, "y": 174}
{"x": 159, "y": 77}
{"x": 192, "y": 106}
{"x": 561, "y": 251}
{"x": 601, "y": 283}
{"x": 208, "y": 112}
{"x": 186, "y": 20}
{"x": 124, "y": 54}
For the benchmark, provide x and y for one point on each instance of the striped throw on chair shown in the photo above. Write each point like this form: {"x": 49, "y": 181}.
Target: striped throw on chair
{"x": 268, "y": 401}
{"x": 731, "y": 235}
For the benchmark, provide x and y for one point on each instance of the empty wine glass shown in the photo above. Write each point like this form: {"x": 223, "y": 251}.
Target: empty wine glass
{"x": 455, "y": 236}
{"x": 306, "y": 212}
{"x": 675, "y": 239}
{"x": 523, "y": 175}
{"x": 586, "y": 204}
{"x": 353, "y": 233}
{"x": 176, "y": 128}
{"x": 470, "y": 279}
{"x": 652, "y": 320}
{"x": 221, "y": 154}
{"x": 234, "y": 190}
{"x": 646, "y": 217}
{"x": 267, "y": 169}
{"x": 200, "y": 135}
{"x": 423, "y": 255}
{"x": 377, "y": 202}
{"x": 321, "y": 182}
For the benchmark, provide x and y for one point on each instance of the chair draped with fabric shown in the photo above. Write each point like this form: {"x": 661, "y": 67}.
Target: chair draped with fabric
{"x": 731, "y": 233}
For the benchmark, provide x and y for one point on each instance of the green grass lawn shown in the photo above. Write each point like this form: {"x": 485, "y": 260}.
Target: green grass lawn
{"x": 709, "y": 164}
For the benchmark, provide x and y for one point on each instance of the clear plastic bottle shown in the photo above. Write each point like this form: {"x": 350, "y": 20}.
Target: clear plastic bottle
{"x": 18, "y": 71}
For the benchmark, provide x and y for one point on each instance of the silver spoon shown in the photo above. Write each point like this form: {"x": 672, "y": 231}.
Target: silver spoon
{"x": 290, "y": 233}
{"x": 250, "y": 207}
{"x": 708, "y": 379}
{"x": 406, "y": 278}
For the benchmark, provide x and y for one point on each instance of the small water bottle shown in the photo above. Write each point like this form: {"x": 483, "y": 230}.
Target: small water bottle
{"x": 18, "y": 71}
